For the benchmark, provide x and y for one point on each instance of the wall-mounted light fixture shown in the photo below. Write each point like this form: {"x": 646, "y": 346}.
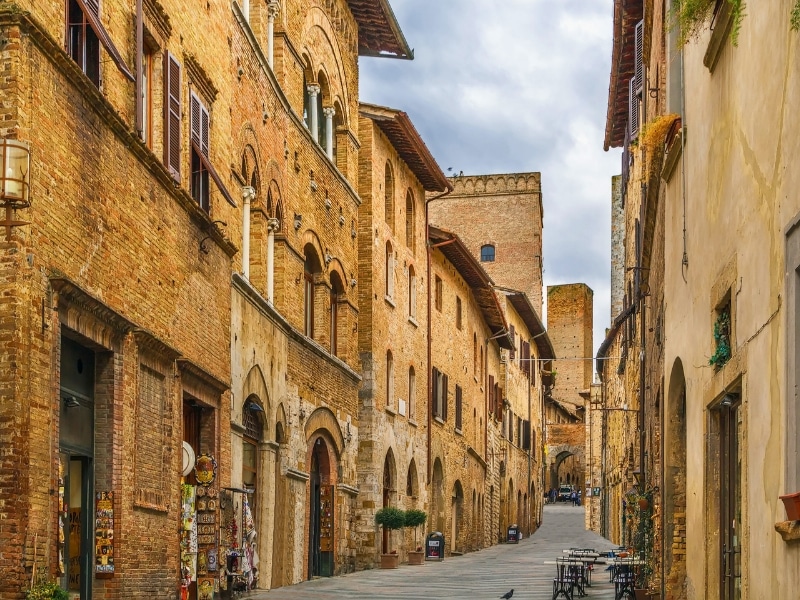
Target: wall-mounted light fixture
{"x": 15, "y": 172}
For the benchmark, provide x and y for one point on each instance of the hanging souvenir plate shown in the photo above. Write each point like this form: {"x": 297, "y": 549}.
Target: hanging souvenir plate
{"x": 205, "y": 469}
{"x": 188, "y": 459}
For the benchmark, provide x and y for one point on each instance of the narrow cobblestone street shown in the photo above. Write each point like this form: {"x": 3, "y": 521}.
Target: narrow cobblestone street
{"x": 481, "y": 575}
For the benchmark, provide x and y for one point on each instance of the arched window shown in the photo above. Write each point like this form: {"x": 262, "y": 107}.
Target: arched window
{"x": 389, "y": 271}
{"x": 337, "y": 288}
{"x": 389, "y": 380}
{"x": 388, "y": 190}
{"x": 412, "y": 292}
{"x": 487, "y": 253}
{"x": 412, "y": 392}
{"x": 410, "y": 237}
{"x": 474, "y": 354}
{"x": 310, "y": 268}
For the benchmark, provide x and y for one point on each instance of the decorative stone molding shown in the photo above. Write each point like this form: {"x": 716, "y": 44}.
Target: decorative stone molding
{"x": 199, "y": 78}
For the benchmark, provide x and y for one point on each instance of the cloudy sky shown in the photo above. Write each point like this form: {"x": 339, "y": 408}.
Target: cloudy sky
{"x": 504, "y": 86}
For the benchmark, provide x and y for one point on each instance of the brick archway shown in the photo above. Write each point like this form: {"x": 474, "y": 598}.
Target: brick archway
{"x": 556, "y": 455}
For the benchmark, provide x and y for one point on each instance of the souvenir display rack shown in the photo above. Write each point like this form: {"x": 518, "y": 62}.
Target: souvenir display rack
{"x": 236, "y": 521}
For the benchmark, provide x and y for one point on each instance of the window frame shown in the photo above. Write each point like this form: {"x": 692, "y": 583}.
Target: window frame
{"x": 485, "y": 257}
{"x": 438, "y": 292}
{"x": 390, "y": 381}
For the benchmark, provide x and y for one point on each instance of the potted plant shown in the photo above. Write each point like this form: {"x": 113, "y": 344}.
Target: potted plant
{"x": 414, "y": 519}
{"x": 390, "y": 518}
{"x": 46, "y": 590}
{"x": 791, "y": 503}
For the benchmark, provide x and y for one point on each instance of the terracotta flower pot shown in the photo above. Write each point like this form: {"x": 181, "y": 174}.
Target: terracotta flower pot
{"x": 791, "y": 503}
{"x": 416, "y": 557}
{"x": 390, "y": 561}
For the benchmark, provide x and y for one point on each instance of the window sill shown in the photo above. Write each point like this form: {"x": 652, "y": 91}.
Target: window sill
{"x": 438, "y": 420}
{"x": 413, "y": 321}
{"x": 389, "y": 301}
{"x": 412, "y": 422}
{"x": 673, "y": 155}
{"x": 390, "y": 411}
{"x": 458, "y": 431}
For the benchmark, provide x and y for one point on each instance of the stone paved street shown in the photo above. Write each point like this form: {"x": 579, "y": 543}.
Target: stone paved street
{"x": 481, "y": 575}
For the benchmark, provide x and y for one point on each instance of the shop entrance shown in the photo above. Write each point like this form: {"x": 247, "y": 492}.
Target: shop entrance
{"x": 730, "y": 497}
{"x": 76, "y": 469}
{"x": 320, "y": 538}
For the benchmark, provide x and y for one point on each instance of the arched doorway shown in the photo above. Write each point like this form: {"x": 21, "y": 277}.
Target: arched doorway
{"x": 675, "y": 468}
{"x": 438, "y": 495}
{"x": 388, "y": 488}
{"x": 321, "y": 511}
{"x": 456, "y": 516}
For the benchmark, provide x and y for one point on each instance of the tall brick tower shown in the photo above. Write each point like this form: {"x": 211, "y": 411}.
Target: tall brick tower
{"x": 569, "y": 323}
{"x": 500, "y": 219}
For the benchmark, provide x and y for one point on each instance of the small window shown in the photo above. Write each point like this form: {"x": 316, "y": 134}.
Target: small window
{"x": 412, "y": 392}
{"x": 412, "y": 292}
{"x": 438, "y": 292}
{"x": 82, "y": 42}
{"x": 487, "y": 253}
{"x": 389, "y": 380}
{"x": 410, "y": 229}
{"x": 458, "y": 312}
{"x": 389, "y": 270}
{"x": 459, "y": 407}
{"x": 146, "y": 99}
{"x": 388, "y": 191}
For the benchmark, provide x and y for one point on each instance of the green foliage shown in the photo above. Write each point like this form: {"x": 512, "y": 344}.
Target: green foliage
{"x": 795, "y": 18}
{"x": 390, "y": 517}
{"x": 722, "y": 327}
{"x": 692, "y": 16}
{"x": 643, "y": 536}
{"x": 415, "y": 517}
{"x": 46, "y": 590}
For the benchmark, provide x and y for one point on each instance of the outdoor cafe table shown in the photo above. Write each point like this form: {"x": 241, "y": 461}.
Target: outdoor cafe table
{"x": 587, "y": 553}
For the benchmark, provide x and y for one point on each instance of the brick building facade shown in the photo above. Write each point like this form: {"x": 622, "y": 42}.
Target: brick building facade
{"x": 197, "y": 277}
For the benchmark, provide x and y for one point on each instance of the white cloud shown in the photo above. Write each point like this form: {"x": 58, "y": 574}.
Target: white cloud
{"x": 517, "y": 85}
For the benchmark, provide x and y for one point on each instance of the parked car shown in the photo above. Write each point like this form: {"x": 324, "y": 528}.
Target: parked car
{"x": 564, "y": 493}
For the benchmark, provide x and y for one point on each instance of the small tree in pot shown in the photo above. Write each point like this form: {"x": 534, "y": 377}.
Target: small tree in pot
{"x": 415, "y": 518}
{"x": 390, "y": 518}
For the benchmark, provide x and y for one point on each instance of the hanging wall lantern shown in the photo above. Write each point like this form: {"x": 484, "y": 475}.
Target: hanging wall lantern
{"x": 15, "y": 181}
{"x": 15, "y": 174}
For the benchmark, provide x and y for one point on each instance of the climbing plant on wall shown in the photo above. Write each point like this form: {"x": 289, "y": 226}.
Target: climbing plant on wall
{"x": 691, "y": 17}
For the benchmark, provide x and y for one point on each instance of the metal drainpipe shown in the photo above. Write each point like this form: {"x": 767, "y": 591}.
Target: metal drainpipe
{"x": 429, "y": 252}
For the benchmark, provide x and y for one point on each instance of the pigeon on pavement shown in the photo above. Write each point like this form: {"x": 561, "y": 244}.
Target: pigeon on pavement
{"x": 507, "y": 595}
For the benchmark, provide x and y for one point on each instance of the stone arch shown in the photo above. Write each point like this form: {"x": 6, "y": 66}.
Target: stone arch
{"x": 388, "y": 493}
{"x": 457, "y": 517}
{"x": 323, "y": 419}
{"x": 675, "y": 479}
{"x": 255, "y": 385}
{"x": 556, "y": 455}
{"x": 437, "y": 490}
{"x": 323, "y": 460}
{"x": 282, "y": 426}
{"x": 319, "y": 34}
{"x": 412, "y": 480}
{"x": 310, "y": 238}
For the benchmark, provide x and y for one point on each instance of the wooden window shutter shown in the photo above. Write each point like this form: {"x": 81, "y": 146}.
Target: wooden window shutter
{"x": 444, "y": 397}
{"x": 459, "y": 407}
{"x": 633, "y": 110}
{"x": 92, "y": 5}
{"x": 638, "y": 49}
{"x": 513, "y": 342}
{"x": 172, "y": 127}
{"x": 526, "y": 435}
{"x": 434, "y": 390}
{"x": 199, "y": 124}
